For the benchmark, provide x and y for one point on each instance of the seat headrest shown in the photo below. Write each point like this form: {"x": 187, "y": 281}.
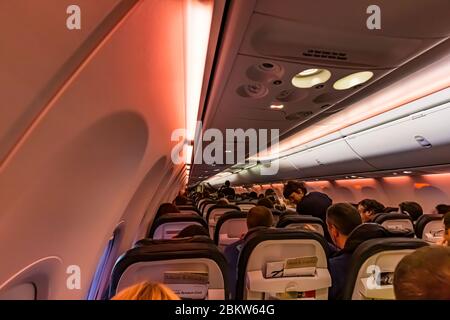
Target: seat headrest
{"x": 380, "y": 218}
{"x": 423, "y": 220}
{"x": 229, "y": 206}
{"x": 227, "y": 216}
{"x": 168, "y": 250}
{"x": 193, "y": 239}
{"x": 176, "y": 217}
{"x": 371, "y": 247}
{"x": 254, "y": 238}
{"x": 187, "y": 207}
{"x": 291, "y": 218}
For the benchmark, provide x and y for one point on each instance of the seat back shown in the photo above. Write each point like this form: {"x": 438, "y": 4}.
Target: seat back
{"x": 206, "y": 207}
{"x": 229, "y": 228}
{"x": 194, "y": 270}
{"x": 395, "y": 221}
{"x": 372, "y": 266}
{"x": 188, "y": 209}
{"x": 214, "y": 213}
{"x": 245, "y": 206}
{"x": 282, "y": 263}
{"x": 169, "y": 225}
{"x": 430, "y": 227}
{"x": 302, "y": 222}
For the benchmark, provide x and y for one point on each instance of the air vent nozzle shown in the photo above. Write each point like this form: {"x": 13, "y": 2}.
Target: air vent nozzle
{"x": 325, "y": 54}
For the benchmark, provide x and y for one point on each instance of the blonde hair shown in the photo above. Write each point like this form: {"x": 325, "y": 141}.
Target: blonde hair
{"x": 146, "y": 291}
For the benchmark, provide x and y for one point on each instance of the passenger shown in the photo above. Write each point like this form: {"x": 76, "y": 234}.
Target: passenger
{"x": 260, "y": 196}
{"x": 424, "y": 275}
{"x": 146, "y": 291}
{"x": 412, "y": 209}
{"x": 269, "y": 192}
{"x": 191, "y": 231}
{"x": 441, "y": 209}
{"x": 180, "y": 201}
{"x": 446, "y": 237}
{"x": 227, "y": 190}
{"x": 347, "y": 232}
{"x": 258, "y": 217}
{"x": 166, "y": 208}
{"x": 222, "y": 202}
{"x": 265, "y": 202}
{"x": 368, "y": 208}
{"x": 312, "y": 203}
{"x": 253, "y": 195}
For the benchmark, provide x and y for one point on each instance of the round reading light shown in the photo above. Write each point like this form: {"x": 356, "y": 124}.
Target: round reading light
{"x": 353, "y": 80}
{"x": 310, "y": 77}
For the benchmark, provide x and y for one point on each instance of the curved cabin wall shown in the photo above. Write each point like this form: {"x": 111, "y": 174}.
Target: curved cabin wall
{"x": 87, "y": 160}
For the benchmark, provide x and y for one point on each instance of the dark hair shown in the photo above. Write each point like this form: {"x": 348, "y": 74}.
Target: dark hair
{"x": 447, "y": 221}
{"x": 180, "y": 201}
{"x": 166, "y": 208}
{"x": 227, "y": 183}
{"x": 293, "y": 186}
{"x": 423, "y": 275}
{"x": 412, "y": 208}
{"x": 259, "y": 216}
{"x": 253, "y": 195}
{"x": 192, "y": 230}
{"x": 265, "y": 202}
{"x": 269, "y": 192}
{"x": 442, "y": 208}
{"x": 372, "y": 205}
{"x": 344, "y": 217}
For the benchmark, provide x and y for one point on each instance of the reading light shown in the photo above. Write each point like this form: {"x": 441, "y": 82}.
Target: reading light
{"x": 407, "y": 172}
{"x": 308, "y": 72}
{"x": 276, "y": 106}
{"x": 310, "y": 77}
{"x": 197, "y": 31}
{"x": 227, "y": 151}
{"x": 352, "y": 80}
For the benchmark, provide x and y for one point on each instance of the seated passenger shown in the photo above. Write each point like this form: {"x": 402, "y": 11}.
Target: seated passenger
{"x": 424, "y": 275}
{"x": 441, "y": 209}
{"x": 412, "y": 209}
{"x": 227, "y": 190}
{"x": 368, "y": 208}
{"x": 146, "y": 291}
{"x": 265, "y": 202}
{"x": 446, "y": 237}
{"x": 222, "y": 202}
{"x": 347, "y": 233}
{"x": 253, "y": 195}
{"x": 312, "y": 203}
{"x": 258, "y": 217}
{"x": 166, "y": 208}
{"x": 180, "y": 201}
{"x": 191, "y": 231}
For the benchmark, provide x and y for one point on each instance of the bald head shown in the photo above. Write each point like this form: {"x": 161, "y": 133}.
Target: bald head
{"x": 259, "y": 216}
{"x": 424, "y": 275}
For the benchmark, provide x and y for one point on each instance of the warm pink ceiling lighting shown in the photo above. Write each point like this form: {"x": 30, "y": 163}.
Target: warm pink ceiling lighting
{"x": 426, "y": 81}
{"x": 197, "y": 32}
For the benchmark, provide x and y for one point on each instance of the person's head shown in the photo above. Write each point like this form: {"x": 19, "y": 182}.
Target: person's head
{"x": 253, "y": 195}
{"x": 342, "y": 219}
{"x": 259, "y": 216}
{"x": 368, "y": 208}
{"x": 423, "y": 275}
{"x": 146, "y": 291}
{"x": 294, "y": 191}
{"x": 265, "y": 202}
{"x": 180, "y": 201}
{"x": 227, "y": 183}
{"x": 413, "y": 209}
{"x": 442, "y": 209}
{"x": 447, "y": 227}
{"x": 269, "y": 192}
{"x": 222, "y": 202}
{"x": 260, "y": 196}
{"x": 191, "y": 231}
{"x": 166, "y": 208}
